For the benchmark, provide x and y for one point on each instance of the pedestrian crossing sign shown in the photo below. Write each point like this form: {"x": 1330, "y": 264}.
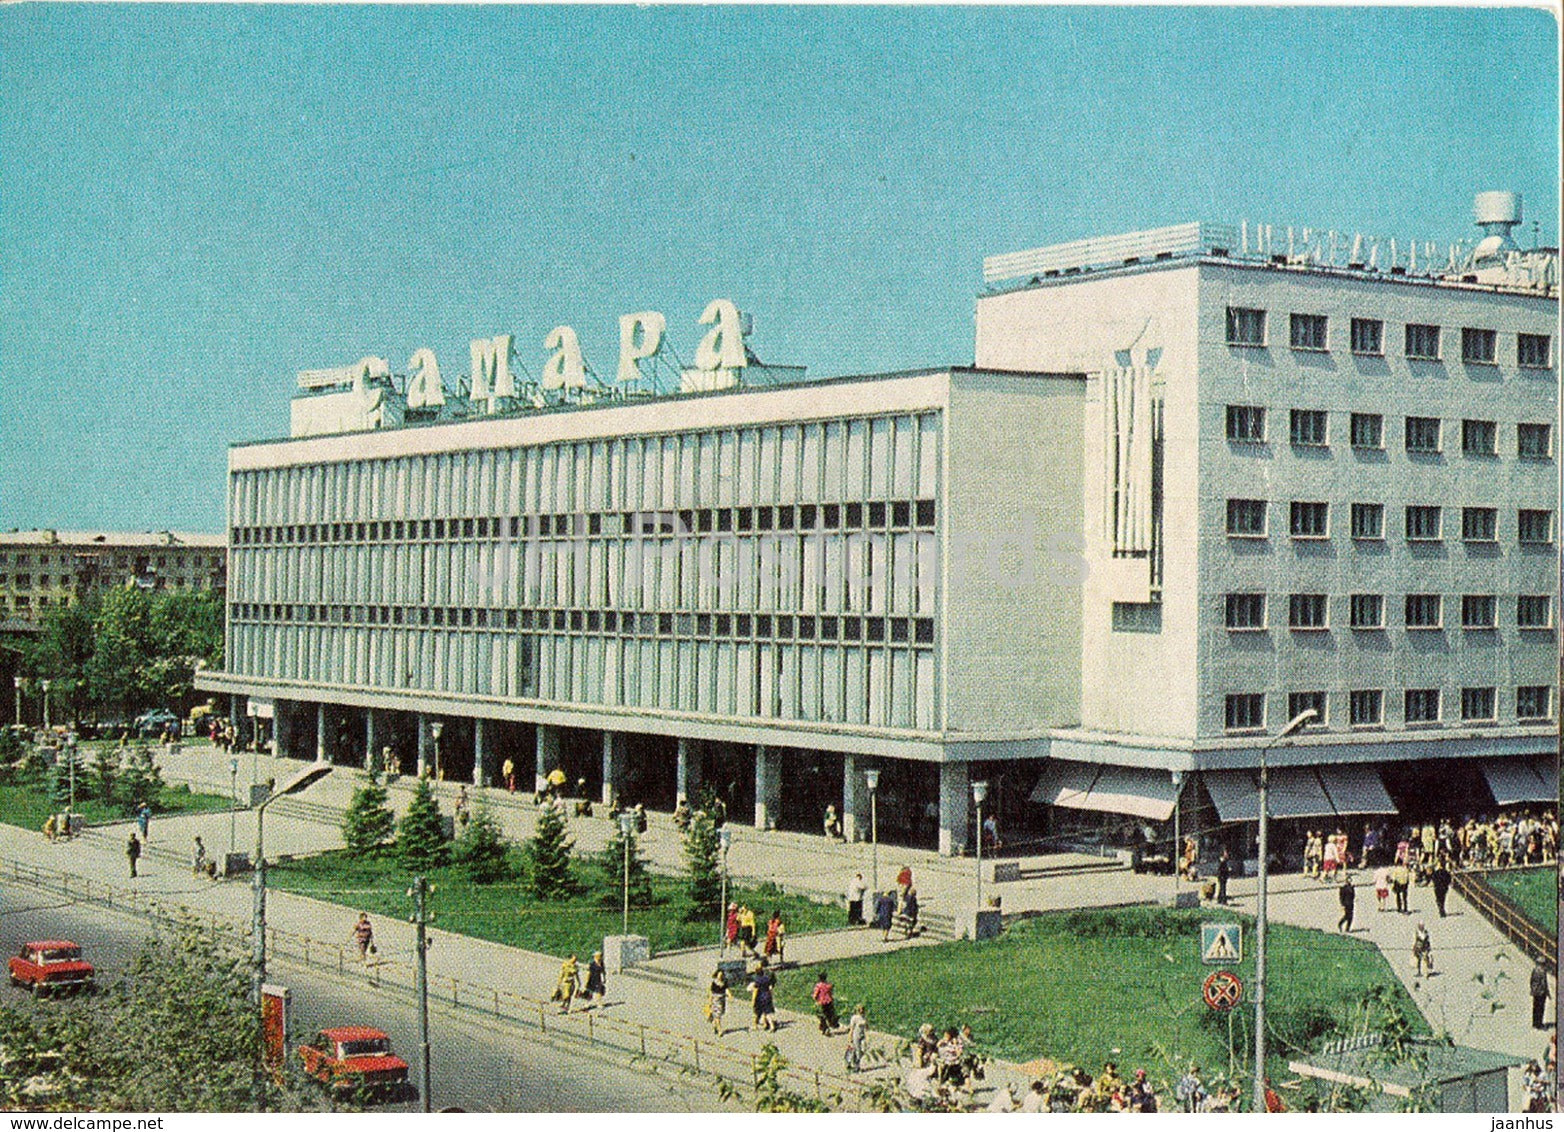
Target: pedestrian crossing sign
{"x": 1221, "y": 943}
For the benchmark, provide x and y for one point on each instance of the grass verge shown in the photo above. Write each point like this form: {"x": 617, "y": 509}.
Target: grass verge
{"x": 1534, "y": 891}
{"x": 27, "y": 804}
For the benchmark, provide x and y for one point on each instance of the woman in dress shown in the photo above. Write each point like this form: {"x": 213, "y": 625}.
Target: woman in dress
{"x": 565, "y": 990}
{"x": 717, "y": 1000}
{"x": 597, "y": 978}
{"x": 762, "y": 985}
{"x": 774, "y": 933}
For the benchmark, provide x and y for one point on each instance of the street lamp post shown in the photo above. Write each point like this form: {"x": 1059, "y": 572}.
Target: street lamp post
{"x": 872, "y": 777}
{"x": 70, "y": 753}
{"x": 45, "y": 685}
{"x": 436, "y": 729}
{"x": 233, "y": 806}
{"x": 1178, "y": 843}
{"x": 1298, "y": 723}
{"x": 979, "y": 792}
{"x": 724, "y": 839}
{"x": 16, "y": 682}
{"x": 626, "y": 829}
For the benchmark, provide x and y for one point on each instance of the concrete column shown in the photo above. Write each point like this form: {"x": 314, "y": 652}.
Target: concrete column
{"x": 954, "y": 796}
{"x": 548, "y": 753}
{"x": 423, "y": 743}
{"x": 320, "y": 733}
{"x": 689, "y": 775}
{"x": 281, "y": 733}
{"x": 768, "y": 787}
{"x": 855, "y": 801}
{"x": 371, "y": 737}
{"x": 613, "y": 766}
{"x": 481, "y": 756}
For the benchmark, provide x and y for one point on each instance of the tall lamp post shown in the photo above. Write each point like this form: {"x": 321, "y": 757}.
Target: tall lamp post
{"x": 626, "y": 829}
{"x": 70, "y": 753}
{"x": 724, "y": 839}
{"x": 1178, "y": 842}
{"x": 17, "y": 682}
{"x": 436, "y": 729}
{"x": 872, "y": 777}
{"x": 979, "y": 792}
{"x": 1298, "y": 723}
{"x": 45, "y": 685}
{"x": 258, "y": 920}
{"x": 233, "y": 806}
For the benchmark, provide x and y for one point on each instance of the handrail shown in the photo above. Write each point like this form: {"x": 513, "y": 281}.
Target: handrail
{"x": 1534, "y": 942}
{"x": 700, "y": 1054}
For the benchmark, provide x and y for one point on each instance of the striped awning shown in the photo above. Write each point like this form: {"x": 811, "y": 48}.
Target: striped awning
{"x": 1516, "y": 781}
{"x": 1139, "y": 791}
{"x": 1299, "y": 792}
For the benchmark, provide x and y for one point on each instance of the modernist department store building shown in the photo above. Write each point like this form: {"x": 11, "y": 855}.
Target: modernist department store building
{"x": 1198, "y": 480}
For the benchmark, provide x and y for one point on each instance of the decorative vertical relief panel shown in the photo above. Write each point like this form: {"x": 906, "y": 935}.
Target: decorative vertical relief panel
{"x": 665, "y": 450}
{"x": 811, "y": 563}
{"x": 833, "y": 447}
{"x": 616, "y": 594}
{"x": 831, "y": 707}
{"x": 726, "y": 702}
{"x": 903, "y": 679}
{"x": 659, "y": 657}
{"x": 608, "y": 671}
{"x": 747, "y": 483}
{"x": 809, "y": 682}
{"x": 926, "y": 566}
{"x": 855, "y": 467}
{"x": 630, "y": 671}
{"x": 706, "y": 466}
{"x": 770, "y": 698}
{"x": 904, "y": 468}
{"x": 1128, "y": 417}
{"x": 874, "y": 686}
{"x": 727, "y": 468}
{"x": 881, "y": 458}
{"x": 788, "y": 444}
{"x": 767, "y": 465}
{"x": 689, "y": 450}
{"x": 810, "y": 471}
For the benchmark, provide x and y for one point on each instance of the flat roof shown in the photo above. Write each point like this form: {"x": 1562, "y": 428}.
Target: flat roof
{"x": 105, "y": 540}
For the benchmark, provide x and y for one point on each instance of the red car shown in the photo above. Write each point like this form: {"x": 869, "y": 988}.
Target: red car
{"x": 355, "y": 1057}
{"x": 48, "y": 966}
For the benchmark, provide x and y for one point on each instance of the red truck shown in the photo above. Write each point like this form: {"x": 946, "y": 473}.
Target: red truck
{"x": 51, "y": 966}
{"x": 355, "y": 1057}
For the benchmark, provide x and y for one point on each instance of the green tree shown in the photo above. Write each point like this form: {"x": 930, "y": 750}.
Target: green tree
{"x": 701, "y": 850}
{"x": 420, "y": 838}
{"x": 60, "y": 777}
{"x": 368, "y": 822}
{"x": 611, "y": 863}
{"x": 482, "y": 850}
{"x": 548, "y": 855}
{"x": 142, "y": 782}
{"x": 122, "y": 646}
{"x": 61, "y": 652}
{"x": 105, "y": 775}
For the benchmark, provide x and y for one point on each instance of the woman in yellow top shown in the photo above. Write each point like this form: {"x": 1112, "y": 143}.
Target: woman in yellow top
{"x": 746, "y": 928}
{"x": 565, "y": 992}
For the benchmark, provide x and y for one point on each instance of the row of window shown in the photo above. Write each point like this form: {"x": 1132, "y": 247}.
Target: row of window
{"x": 1310, "y": 428}
{"x": 877, "y": 515}
{"x": 775, "y": 627}
{"x": 1246, "y": 326}
{"x": 1247, "y": 611}
{"x": 1310, "y": 519}
{"x": 1366, "y": 707}
{"x": 121, "y": 561}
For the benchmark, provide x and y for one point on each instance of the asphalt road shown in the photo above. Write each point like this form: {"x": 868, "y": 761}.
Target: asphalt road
{"x": 477, "y": 1065}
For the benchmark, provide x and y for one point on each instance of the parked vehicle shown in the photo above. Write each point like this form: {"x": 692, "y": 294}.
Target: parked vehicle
{"x": 151, "y": 724}
{"x": 355, "y": 1058}
{"x": 51, "y": 966}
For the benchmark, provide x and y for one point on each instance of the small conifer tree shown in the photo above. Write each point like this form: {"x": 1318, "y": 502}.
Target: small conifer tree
{"x": 701, "y": 850}
{"x": 420, "y": 838}
{"x": 611, "y": 864}
{"x": 368, "y": 822}
{"x": 482, "y": 850}
{"x": 548, "y": 855}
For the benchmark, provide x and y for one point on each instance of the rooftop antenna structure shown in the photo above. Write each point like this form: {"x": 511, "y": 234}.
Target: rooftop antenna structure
{"x": 1497, "y": 214}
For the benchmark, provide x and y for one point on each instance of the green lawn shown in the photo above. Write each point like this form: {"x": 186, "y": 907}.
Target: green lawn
{"x": 27, "y": 804}
{"x": 506, "y": 913}
{"x": 1534, "y": 891}
{"x": 1124, "y": 985}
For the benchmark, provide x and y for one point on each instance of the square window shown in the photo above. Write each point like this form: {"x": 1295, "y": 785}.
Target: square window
{"x": 1137, "y": 617}
{"x": 1368, "y": 611}
{"x": 1246, "y": 423}
{"x": 1480, "y": 346}
{"x": 1422, "y": 705}
{"x": 1422, "y": 524}
{"x": 1245, "y": 326}
{"x": 1534, "y": 702}
{"x": 1308, "y": 428}
{"x": 1300, "y": 702}
{"x": 1368, "y": 520}
{"x": 1310, "y": 520}
{"x": 1308, "y": 332}
{"x": 1424, "y": 611}
{"x": 925, "y": 512}
{"x": 852, "y": 516}
{"x": 1246, "y": 611}
{"x": 1480, "y": 438}
{"x": 1368, "y": 430}
{"x": 1422, "y": 434}
{"x": 1534, "y": 526}
{"x": 1534, "y": 441}
{"x": 877, "y": 515}
{"x": 901, "y": 515}
{"x": 1478, "y": 705}
{"x": 1479, "y": 524}
{"x": 1368, "y": 336}
{"x": 1245, "y": 712}
{"x": 1368, "y": 708}
{"x": 1479, "y": 611}
{"x": 1306, "y": 611}
{"x": 1534, "y": 611}
{"x": 1246, "y": 517}
{"x": 1534, "y": 351}
{"x": 1422, "y": 342}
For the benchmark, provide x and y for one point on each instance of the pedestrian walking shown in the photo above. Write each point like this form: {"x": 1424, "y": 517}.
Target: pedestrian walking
{"x": 1401, "y": 884}
{"x": 717, "y": 1000}
{"x": 1224, "y": 870}
{"x": 907, "y": 914}
{"x": 762, "y": 985}
{"x": 1348, "y": 896}
{"x": 508, "y": 769}
{"x": 1422, "y": 950}
{"x": 565, "y": 989}
{"x": 833, "y": 825}
{"x": 746, "y": 929}
{"x": 144, "y": 820}
{"x": 775, "y": 930}
{"x": 884, "y": 913}
{"x": 198, "y": 858}
{"x": 855, "y": 894}
{"x": 49, "y": 828}
{"x": 857, "y": 1038}
{"x": 364, "y": 937}
{"x": 1442, "y": 879}
{"x": 824, "y": 995}
{"x": 133, "y": 853}
{"x": 730, "y": 934}
{"x": 597, "y": 978}
{"x": 1539, "y": 996}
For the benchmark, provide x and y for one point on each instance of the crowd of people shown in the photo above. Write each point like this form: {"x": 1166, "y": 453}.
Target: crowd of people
{"x": 1505, "y": 841}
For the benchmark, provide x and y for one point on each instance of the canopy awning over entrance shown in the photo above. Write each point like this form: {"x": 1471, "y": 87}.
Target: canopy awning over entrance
{"x": 1139, "y": 791}
{"x": 1513, "y": 781}
{"x": 1299, "y": 792}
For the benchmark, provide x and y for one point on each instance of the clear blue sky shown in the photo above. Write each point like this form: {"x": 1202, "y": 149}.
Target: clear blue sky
{"x": 196, "y": 202}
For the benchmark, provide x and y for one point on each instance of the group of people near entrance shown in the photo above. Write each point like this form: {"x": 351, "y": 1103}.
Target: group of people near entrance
{"x": 1508, "y": 840}
{"x": 895, "y": 909}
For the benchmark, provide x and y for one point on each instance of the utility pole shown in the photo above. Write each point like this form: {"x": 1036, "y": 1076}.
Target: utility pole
{"x": 420, "y": 920}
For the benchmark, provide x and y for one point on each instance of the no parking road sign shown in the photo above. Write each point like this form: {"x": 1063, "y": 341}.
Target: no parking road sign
{"x": 1221, "y": 943}
{"x": 1222, "y": 990}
